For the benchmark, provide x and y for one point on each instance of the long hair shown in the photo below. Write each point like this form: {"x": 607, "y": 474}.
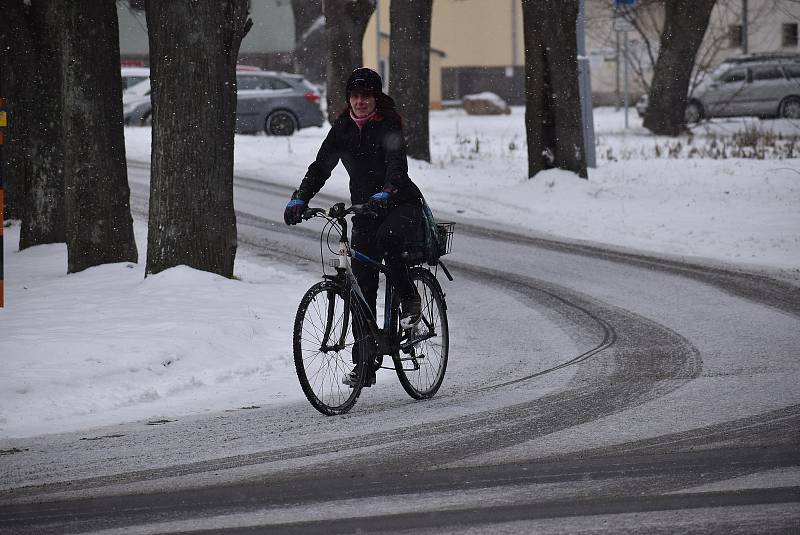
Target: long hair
{"x": 384, "y": 104}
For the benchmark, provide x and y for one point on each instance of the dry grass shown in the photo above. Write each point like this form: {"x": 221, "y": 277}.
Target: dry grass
{"x": 751, "y": 143}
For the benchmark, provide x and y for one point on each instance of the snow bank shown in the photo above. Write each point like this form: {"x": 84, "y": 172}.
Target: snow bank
{"x": 107, "y": 345}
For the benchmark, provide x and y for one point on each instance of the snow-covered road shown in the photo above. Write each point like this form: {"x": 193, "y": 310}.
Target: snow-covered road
{"x": 690, "y": 404}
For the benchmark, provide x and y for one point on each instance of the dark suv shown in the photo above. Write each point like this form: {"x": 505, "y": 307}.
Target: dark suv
{"x": 278, "y": 103}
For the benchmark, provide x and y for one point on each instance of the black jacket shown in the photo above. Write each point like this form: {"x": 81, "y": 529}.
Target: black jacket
{"x": 375, "y": 159}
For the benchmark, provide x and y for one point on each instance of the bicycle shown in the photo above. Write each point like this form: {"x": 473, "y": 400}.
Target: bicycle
{"x": 335, "y": 330}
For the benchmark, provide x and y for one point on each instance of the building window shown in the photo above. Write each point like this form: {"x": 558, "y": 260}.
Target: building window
{"x": 734, "y": 36}
{"x": 789, "y": 34}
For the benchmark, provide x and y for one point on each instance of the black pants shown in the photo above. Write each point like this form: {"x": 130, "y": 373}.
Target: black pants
{"x": 386, "y": 239}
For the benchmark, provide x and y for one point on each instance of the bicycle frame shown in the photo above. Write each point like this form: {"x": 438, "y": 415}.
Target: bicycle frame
{"x": 344, "y": 269}
{"x": 336, "y": 325}
{"x": 389, "y": 341}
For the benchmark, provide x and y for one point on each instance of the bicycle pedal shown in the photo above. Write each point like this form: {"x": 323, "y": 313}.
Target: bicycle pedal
{"x": 409, "y": 323}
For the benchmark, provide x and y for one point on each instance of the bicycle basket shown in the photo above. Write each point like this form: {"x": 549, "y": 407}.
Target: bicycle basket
{"x": 444, "y": 235}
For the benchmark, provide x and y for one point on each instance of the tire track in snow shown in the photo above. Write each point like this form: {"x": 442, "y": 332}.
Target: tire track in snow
{"x": 645, "y": 361}
{"x": 615, "y": 384}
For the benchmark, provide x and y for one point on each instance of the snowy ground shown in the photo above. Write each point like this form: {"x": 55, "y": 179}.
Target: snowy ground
{"x": 106, "y": 345}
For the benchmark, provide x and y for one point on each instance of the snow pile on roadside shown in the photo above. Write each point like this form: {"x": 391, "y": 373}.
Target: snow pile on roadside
{"x": 107, "y": 345}
{"x": 744, "y": 214}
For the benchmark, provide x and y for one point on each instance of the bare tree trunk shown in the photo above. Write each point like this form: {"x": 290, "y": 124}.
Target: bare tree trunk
{"x": 193, "y": 51}
{"x": 409, "y": 70}
{"x": 98, "y": 216}
{"x": 562, "y": 54}
{"x": 552, "y": 98}
{"x": 539, "y": 120}
{"x": 44, "y": 211}
{"x": 309, "y": 39}
{"x": 33, "y": 167}
{"x": 16, "y": 74}
{"x": 684, "y": 27}
{"x": 345, "y": 24}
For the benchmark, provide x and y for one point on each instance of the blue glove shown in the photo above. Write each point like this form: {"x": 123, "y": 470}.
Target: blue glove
{"x": 379, "y": 203}
{"x": 294, "y": 211}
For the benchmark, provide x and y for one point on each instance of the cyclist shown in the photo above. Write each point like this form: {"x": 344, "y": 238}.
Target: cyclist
{"x": 367, "y": 136}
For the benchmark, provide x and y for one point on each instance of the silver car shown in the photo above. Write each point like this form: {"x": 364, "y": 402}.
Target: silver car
{"x": 277, "y": 103}
{"x": 133, "y": 75}
{"x": 762, "y": 86}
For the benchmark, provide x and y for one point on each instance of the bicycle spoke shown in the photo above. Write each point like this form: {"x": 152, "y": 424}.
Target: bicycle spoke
{"x": 322, "y": 320}
{"x": 430, "y": 348}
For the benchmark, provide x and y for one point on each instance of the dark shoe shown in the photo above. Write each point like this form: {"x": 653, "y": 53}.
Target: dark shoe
{"x": 351, "y": 379}
{"x": 411, "y": 307}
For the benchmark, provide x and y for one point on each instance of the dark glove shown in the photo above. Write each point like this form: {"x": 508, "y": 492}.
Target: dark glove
{"x": 379, "y": 203}
{"x": 294, "y": 211}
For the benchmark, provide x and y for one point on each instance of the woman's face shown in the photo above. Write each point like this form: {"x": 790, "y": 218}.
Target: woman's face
{"x": 362, "y": 103}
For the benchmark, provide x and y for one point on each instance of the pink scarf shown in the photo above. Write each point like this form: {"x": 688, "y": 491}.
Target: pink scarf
{"x": 361, "y": 121}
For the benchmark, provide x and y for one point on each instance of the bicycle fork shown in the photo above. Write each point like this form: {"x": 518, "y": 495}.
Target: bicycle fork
{"x": 340, "y": 343}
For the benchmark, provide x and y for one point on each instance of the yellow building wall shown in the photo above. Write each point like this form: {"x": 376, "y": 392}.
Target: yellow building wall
{"x": 478, "y": 32}
{"x": 369, "y": 47}
{"x": 436, "y": 82}
{"x": 469, "y": 32}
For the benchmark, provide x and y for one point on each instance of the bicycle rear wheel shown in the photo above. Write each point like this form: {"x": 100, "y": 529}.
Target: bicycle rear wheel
{"x": 422, "y": 361}
{"x": 325, "y": 349}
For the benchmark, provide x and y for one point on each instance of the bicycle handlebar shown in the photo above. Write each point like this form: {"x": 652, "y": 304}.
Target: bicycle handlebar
{"x": 338, "y": 211}
{"x": 312, "y": 212}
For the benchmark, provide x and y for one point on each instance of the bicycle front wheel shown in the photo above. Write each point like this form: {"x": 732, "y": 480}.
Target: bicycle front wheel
{"x": 422, "y": 360}
{"x": 325, "y": 349}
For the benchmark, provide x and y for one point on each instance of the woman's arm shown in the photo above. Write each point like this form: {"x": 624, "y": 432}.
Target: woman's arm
{"x": 320, "y": 169}
{"x": 394, "y": 146}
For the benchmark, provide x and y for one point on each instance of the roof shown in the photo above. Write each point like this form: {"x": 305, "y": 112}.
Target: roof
{"x": 764, "y": 56}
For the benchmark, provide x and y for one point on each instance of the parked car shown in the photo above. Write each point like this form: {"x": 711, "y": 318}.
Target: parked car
{"x": 278, "y": 103}
{"x": 766, "y": 85}
{"x": 133, "y": 75}
{"x": 136, "y": 105}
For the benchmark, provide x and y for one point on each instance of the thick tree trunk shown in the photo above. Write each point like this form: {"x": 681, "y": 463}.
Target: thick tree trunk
{"x": 193, "y": 51}
{"x": 345, "y": 24}
{"x": 409, "y": 70}
{"x": 309, "y": 39}
{"x": 552, "y": 98}
{"x": 98, "y": 217}
{"x": 33, "y": 167}
{"x": 16, "y": 73}
{"x": 43, "y": 218}
{"x": 684, "y": 28}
